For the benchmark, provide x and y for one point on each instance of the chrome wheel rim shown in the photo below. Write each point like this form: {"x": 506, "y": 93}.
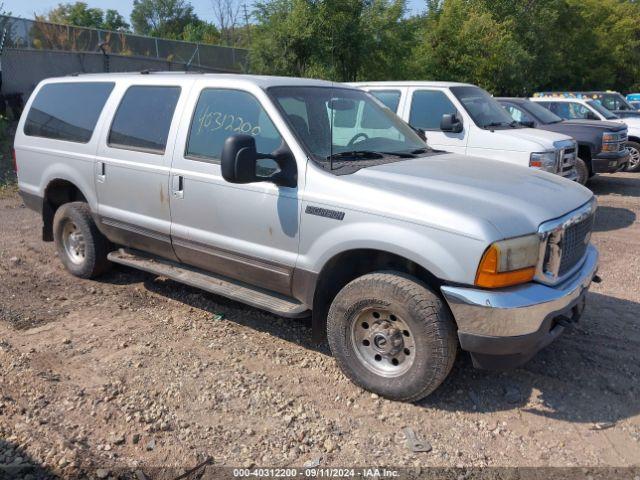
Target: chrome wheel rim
{"x": 634, "y": 157}
{"x": 383, "y": 342}
{"x": 73, "y": 242}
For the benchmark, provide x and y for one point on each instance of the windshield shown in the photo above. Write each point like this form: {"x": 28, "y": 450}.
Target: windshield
{"x": 485, "y": 111}
{"x": 341, "y": 125}
{"x": 543, "y": 115}
{"x": 597, "y": 106}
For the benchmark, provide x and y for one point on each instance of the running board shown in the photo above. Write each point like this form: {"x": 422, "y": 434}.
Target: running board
{"x": 226, "y": 287}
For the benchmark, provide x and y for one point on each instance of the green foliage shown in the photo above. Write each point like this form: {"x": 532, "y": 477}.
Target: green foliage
{"x": 162, "y": 18}
{"x": 336, "y": 39}
{"x": 511, "y": 47}
{"x": 114, "y": 21}
{"x": 80, "y": 15}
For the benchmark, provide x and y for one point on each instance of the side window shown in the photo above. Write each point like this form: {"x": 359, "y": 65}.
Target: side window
{"x": 578, "y": 111}
{"x": 67, "y": 111}
{"x": 143, "y": 118}
{"x": 610, "y": 102}
{"x": 427, "y": 108}
{"x": 221, "y": 113}
{"x": 390, "y": 98}
{"x": 517, "y": 114}
{"x": 559, "y": 108}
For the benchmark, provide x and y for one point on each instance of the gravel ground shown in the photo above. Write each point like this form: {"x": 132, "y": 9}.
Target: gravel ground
{"x": 135, "y": 373}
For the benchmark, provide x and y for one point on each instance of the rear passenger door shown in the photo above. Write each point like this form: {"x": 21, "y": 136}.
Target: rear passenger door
{"x": 247, "y": 232}
{"x": 132, "y": 167}
{"x": 425, "y": 111}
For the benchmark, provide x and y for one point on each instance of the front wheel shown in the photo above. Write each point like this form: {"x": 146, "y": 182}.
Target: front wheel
{"x": 634, "y": 156}
{"x": 392, "y": 335}
{"x": 582, "y": 170}
{"x": 81, "y": 247}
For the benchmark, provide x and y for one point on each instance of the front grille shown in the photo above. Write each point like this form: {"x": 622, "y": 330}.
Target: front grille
{"x": 564, "y": 243}
{"x": 574, "y": 244}
{"x": 566, "y": 160}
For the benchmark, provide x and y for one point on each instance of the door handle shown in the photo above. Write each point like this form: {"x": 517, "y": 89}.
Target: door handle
{"x": 102, "y": 172}
{"x": 177, "y": 186}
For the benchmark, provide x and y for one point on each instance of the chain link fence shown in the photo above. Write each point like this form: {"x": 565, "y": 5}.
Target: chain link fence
{"x": 20, "y": 33}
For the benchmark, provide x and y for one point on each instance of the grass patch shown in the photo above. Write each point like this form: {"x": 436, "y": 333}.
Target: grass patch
{"x": 7, "y": 173}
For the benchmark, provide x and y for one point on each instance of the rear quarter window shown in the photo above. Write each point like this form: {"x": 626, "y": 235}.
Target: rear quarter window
{"x": 67, "y": 111}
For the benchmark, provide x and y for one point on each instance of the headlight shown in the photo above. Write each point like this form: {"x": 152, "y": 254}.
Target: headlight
{"x": 544, "y": 161}
{"x": 509, "y": 262}
{"x": 610, "y": 142}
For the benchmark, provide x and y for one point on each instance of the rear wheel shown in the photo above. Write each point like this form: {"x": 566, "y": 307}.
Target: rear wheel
{"x": 634, "y": 156}
{"x": 582, "y": 170}
{"x": 81, "y": 247}
{"x": 392, "y": 335}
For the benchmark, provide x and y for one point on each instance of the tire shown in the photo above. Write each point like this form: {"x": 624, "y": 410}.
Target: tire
{"x": 81, "y": 247}
{"x": 583, "y": 171}
{"x": 374, "y": 308}
{"x": 634, "y": 157}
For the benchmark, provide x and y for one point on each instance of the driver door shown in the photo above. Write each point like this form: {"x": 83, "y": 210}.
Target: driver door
{"x": 425, "y": 110}
{"x": 247, "y": 232}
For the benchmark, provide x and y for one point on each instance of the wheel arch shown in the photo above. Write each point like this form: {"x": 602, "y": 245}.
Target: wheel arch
{"x": 56, "y": 193}
{"x": 348, "y": 265}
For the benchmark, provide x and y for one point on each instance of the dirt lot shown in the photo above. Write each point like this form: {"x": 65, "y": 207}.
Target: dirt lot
{"x": 136, "y": 372}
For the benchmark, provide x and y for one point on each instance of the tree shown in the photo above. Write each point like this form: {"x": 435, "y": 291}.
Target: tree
{"x": 80, "y": 15}
{"x": 226, "y": 14}
{"x": 162, "y": 18}
{"x": 114, "y": 21}
{"x": 336, "y": 39}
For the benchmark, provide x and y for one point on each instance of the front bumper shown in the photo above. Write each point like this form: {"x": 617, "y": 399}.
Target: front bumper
{"x": 505, "y": 328}
{"x": 609, "y": 163}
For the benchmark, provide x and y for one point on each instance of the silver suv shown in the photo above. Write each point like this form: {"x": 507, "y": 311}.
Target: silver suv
{"x": 306, "y": 197}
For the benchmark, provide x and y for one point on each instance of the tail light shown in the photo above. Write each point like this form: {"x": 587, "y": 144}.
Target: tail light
{"x": 15, "y": 163}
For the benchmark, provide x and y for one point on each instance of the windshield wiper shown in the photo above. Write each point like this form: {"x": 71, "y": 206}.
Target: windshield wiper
{"x": 513, "y": 124}
{"x": 357, "y": 154}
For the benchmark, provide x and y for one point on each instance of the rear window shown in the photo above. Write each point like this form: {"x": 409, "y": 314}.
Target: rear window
{"x": 143, "y": 118}
{"x": 67, "y": 111}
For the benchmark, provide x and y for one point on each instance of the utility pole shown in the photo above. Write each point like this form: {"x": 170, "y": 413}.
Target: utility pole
{"x": 246, "y": 22}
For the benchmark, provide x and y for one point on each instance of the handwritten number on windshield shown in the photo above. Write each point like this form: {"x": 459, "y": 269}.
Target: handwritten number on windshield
{"x": 209, "y": 121}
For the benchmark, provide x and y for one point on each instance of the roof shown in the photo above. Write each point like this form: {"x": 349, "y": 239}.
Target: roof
{"x": 411, "y": 83}
{"x": 263, "y": 81}
{"x": 558, "y": 99}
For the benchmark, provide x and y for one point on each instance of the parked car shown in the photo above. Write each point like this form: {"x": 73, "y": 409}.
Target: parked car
{"x": 465, "y": 119}
{"x": 576, "y": 109}
{"x": 612, "y": 101}
{"x": 635, "y": 104}
{"x": 304, "y": 197}
{"x": 633, "y": 98}
{"x": 601, "y": 144}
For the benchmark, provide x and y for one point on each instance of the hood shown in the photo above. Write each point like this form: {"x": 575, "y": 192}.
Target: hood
{"x": 584, "y": 130}
{"x": 632, "y": 123}
{"x": 473, "y": 196}
{"x": 603, "y": 125}
{"x": 520, "y": 139}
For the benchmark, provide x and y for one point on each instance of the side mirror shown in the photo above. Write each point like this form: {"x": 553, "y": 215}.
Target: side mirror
{"x": 239, "y": 163}
{"x": 421, "y": 133}
{"x": 450, "y": 123}
{"x": 238, "y": 160}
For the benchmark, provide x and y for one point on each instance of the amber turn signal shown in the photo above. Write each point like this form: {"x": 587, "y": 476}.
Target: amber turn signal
{"x": 488, "y": 275}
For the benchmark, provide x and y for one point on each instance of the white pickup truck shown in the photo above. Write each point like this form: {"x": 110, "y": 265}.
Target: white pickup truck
{"x": 465, "y": 119}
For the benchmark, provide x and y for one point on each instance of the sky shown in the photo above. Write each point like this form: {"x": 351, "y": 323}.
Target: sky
{"x": 26, "y": 8}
